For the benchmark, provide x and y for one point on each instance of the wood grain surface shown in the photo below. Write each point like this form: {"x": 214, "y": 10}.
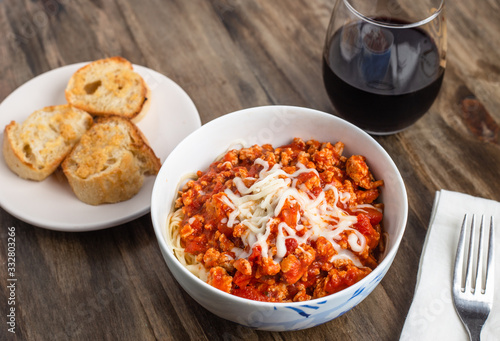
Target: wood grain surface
{"x": 113, "y": 284}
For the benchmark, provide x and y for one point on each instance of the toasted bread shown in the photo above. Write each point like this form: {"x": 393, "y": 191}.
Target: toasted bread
{"x": 108, "y": 87}
{"x": 110, "y": 162}
{"x": 34, "y": 149}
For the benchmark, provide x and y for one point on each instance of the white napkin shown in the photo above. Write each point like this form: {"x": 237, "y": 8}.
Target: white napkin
{"x": 432, "y": 315}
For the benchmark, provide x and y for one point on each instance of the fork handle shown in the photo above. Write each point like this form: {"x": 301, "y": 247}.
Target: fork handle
{"x": 475, "y": 332}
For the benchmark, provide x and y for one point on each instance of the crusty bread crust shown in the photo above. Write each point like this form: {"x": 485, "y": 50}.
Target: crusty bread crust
{"x": 108, "y": 87}
{"x": 145, "y": 106}
{"x": 109, "y": 163}
{"x": 34, "y": 149}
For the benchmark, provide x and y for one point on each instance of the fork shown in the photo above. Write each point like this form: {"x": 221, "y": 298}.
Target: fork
{"x": 472, "y": 297}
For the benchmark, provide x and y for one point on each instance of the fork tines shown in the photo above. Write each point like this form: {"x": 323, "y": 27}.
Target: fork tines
{"x": 471, "y": 281}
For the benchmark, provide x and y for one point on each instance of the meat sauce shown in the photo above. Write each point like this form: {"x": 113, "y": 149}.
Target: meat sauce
{"x": 309, "y": 265}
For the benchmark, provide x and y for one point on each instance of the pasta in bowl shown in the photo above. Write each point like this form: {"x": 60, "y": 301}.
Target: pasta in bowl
{"x": 282, "y": 224}
{"x": 288, "y": 228}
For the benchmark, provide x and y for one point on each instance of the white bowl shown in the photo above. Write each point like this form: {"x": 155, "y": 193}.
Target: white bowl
{"x": 277, "y": 125}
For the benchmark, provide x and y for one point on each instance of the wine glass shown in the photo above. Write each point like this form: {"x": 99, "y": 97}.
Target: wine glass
{"x": 384, "y": 61}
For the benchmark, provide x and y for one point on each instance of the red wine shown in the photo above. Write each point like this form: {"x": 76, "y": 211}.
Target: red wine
{"x": 382, "y": 83}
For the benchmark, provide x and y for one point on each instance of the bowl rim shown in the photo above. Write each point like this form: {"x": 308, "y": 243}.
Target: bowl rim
{"x": 384, "y": 265}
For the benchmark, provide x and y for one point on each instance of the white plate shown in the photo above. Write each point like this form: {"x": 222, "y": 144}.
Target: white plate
{"x": 51, "y": 203}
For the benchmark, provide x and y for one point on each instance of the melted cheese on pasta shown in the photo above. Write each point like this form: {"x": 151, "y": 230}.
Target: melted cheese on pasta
{"x": 258, "y": 206}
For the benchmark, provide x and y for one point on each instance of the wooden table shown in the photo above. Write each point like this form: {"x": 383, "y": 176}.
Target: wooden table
{"x": 229, "y": 55}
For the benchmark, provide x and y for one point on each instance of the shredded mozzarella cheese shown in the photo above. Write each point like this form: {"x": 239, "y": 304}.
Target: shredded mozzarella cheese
{"x": 258, "y": 206}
